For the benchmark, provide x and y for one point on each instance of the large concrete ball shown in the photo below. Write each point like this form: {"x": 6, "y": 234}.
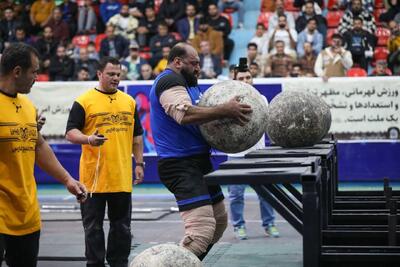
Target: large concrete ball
{"x": 297, "y": 119}
{"x": 166, "y": 255}
{"x": 225, "y": 134}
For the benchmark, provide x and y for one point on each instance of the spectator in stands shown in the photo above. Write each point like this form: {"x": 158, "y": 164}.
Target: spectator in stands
{"x": 307, "y": 61}
{"x": 8, "y": 25}
{"x": 146, "y": 73}
{"x": 69, "y": 11}
{"x": 213, "y": 37}
{"x": 210, "y": 64}
{"x": 124, "y": 24}
{"x": 47, "y": 47}
{"x": 85, "y": 62}
{"x": 381, "y": 69}
{"x": 201, "y": 6}
{"x": 83, "y": 74}
{"x": 333, "y": 61}
{"x": 296, "y": 71}
{"x": 392, "y": 13}
{"x": 366, "y": 4}
{"x": 308, "y": 13}
{"x": 318, "y": 4}
{"x": 157, "y": 42}
{"x": 254, "y": 70}
{"x": 21, "y": 36}
{"x": 136, "y": 8}
{"x": 93, "y": 54}
{"x": 59, "y": 27}
{"x": 162, "y": 63}
{"x": 394, "y": 40}
{"x": 261, "y": 39}
{"x": 172, "y": 11}
{"x": 40, "y": 13}
{"x": 114, "y": 45}
{"x": 229, "y": 6}
{"x": 220, "y": 23}
{"x": 188, "y": 26}
{"x": 274, "y": 19}
{"x": 284, "y": 33}
{"x": 108, "y": 9}
{"x": 61, "y": 66}
{"x": 253, "y": 56}
{"x": 147, "y": 26}
{"x": 360, "y": 43}
{"x": 87, "y": 18}
{"x": 356, "y": 10}
{"x": 133, "y": 62}
{"x": 278, "y": 64}
{"x": 310, "y": 35}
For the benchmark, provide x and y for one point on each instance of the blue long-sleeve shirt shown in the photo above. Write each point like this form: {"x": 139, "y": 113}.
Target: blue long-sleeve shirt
{"x": 317, "y": 42}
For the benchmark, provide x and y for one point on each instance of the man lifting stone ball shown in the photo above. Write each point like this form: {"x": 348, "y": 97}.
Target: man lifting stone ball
{"x": 183, "y": 152}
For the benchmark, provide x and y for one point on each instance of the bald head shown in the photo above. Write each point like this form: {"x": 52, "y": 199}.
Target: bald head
{"x": 180, "y": 50}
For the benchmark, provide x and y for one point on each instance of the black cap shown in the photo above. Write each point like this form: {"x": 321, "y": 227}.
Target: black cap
{"x": 242, "y": 67}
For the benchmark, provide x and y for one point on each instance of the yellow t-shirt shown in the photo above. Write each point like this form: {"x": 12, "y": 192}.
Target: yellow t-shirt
{"x": 19, "y": 206}
{"x": 162, "y": 64}
{"x": 113, "y": 115}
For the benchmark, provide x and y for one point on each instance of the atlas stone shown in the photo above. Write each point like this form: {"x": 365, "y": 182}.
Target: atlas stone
{"x": 226, "y": 134}
{"x": 297, "y": 119}
{"x": 166, "y": 255}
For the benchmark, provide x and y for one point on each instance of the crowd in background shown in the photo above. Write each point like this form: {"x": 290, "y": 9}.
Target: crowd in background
{"x": 325, "y": 38}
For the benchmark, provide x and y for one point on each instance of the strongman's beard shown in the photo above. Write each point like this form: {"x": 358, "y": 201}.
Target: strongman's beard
{"x": 190, "y": 78}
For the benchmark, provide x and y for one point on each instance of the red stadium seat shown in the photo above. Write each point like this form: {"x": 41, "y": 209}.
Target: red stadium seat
{"x": 81, "y": 41}
{"x": 290, "y": 7}
{"x": 43, "y": 77}
{"x": 377, "y": 13}
{"x": 333, "y": 18}
{"x": 332, "y": 4}
{"x": 177, "y": 36}
{"x": 264, "y": 17}
{"x": 356, "y": 72}
{"x": 379, "y": 4}
{"x": 383, "y": 35}
{"x": 229, "y": 17}
{"x": 381, "y": 53}
{"x": 329, "y": 34}
{"x": 98, "y": 39}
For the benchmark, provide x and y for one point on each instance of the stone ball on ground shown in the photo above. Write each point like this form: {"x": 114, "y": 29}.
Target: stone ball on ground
{"x": 225, "y": 134}
{"x": 166, "y": 255}
{"x": 297, "y": 119}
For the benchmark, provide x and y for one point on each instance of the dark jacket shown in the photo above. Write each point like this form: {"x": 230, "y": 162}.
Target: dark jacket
{"x": 120, "y": 43}
{"x": 61, "y": 69}
{"x": 175, "y": 10}
{"x": 301, "y": 23}
{"x": 91, "y": 64}
{"x": 221, "y": 24}
{"x": 168, "y": 40}
{"x": 184, "y": 28}
{"x": 45, "y": 48}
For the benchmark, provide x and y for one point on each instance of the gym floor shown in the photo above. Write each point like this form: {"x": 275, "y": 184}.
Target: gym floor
{"x": 156, "y": 221}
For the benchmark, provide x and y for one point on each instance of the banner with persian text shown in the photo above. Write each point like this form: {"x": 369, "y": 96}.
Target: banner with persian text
{"x": 358, "y": 105}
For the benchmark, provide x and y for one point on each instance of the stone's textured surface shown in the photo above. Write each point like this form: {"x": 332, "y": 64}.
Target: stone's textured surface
{"x": 225, "y": 134}
{"x": 166, "y": 255}
{"x": 297, "y": 119}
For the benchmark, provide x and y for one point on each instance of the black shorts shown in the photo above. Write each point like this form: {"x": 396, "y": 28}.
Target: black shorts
{"x": 184, "y": 178}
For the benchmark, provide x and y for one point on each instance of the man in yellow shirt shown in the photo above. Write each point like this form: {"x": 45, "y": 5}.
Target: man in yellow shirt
{"x": 21, "y": 146}
{"x": 105, "y": 122}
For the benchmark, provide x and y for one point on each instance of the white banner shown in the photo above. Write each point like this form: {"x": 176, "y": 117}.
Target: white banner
{"x": 358, "y": 105}
{"x": 54, "y": 101}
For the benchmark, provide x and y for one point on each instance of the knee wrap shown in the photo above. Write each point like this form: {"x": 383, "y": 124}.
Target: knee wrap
{"x": 199, "y": 229}
{"x": 221, "y": 219}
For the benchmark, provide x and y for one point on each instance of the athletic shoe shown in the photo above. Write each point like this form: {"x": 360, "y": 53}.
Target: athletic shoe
{"x": 271, "y": 230}
{"x": 240, "y": 232}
